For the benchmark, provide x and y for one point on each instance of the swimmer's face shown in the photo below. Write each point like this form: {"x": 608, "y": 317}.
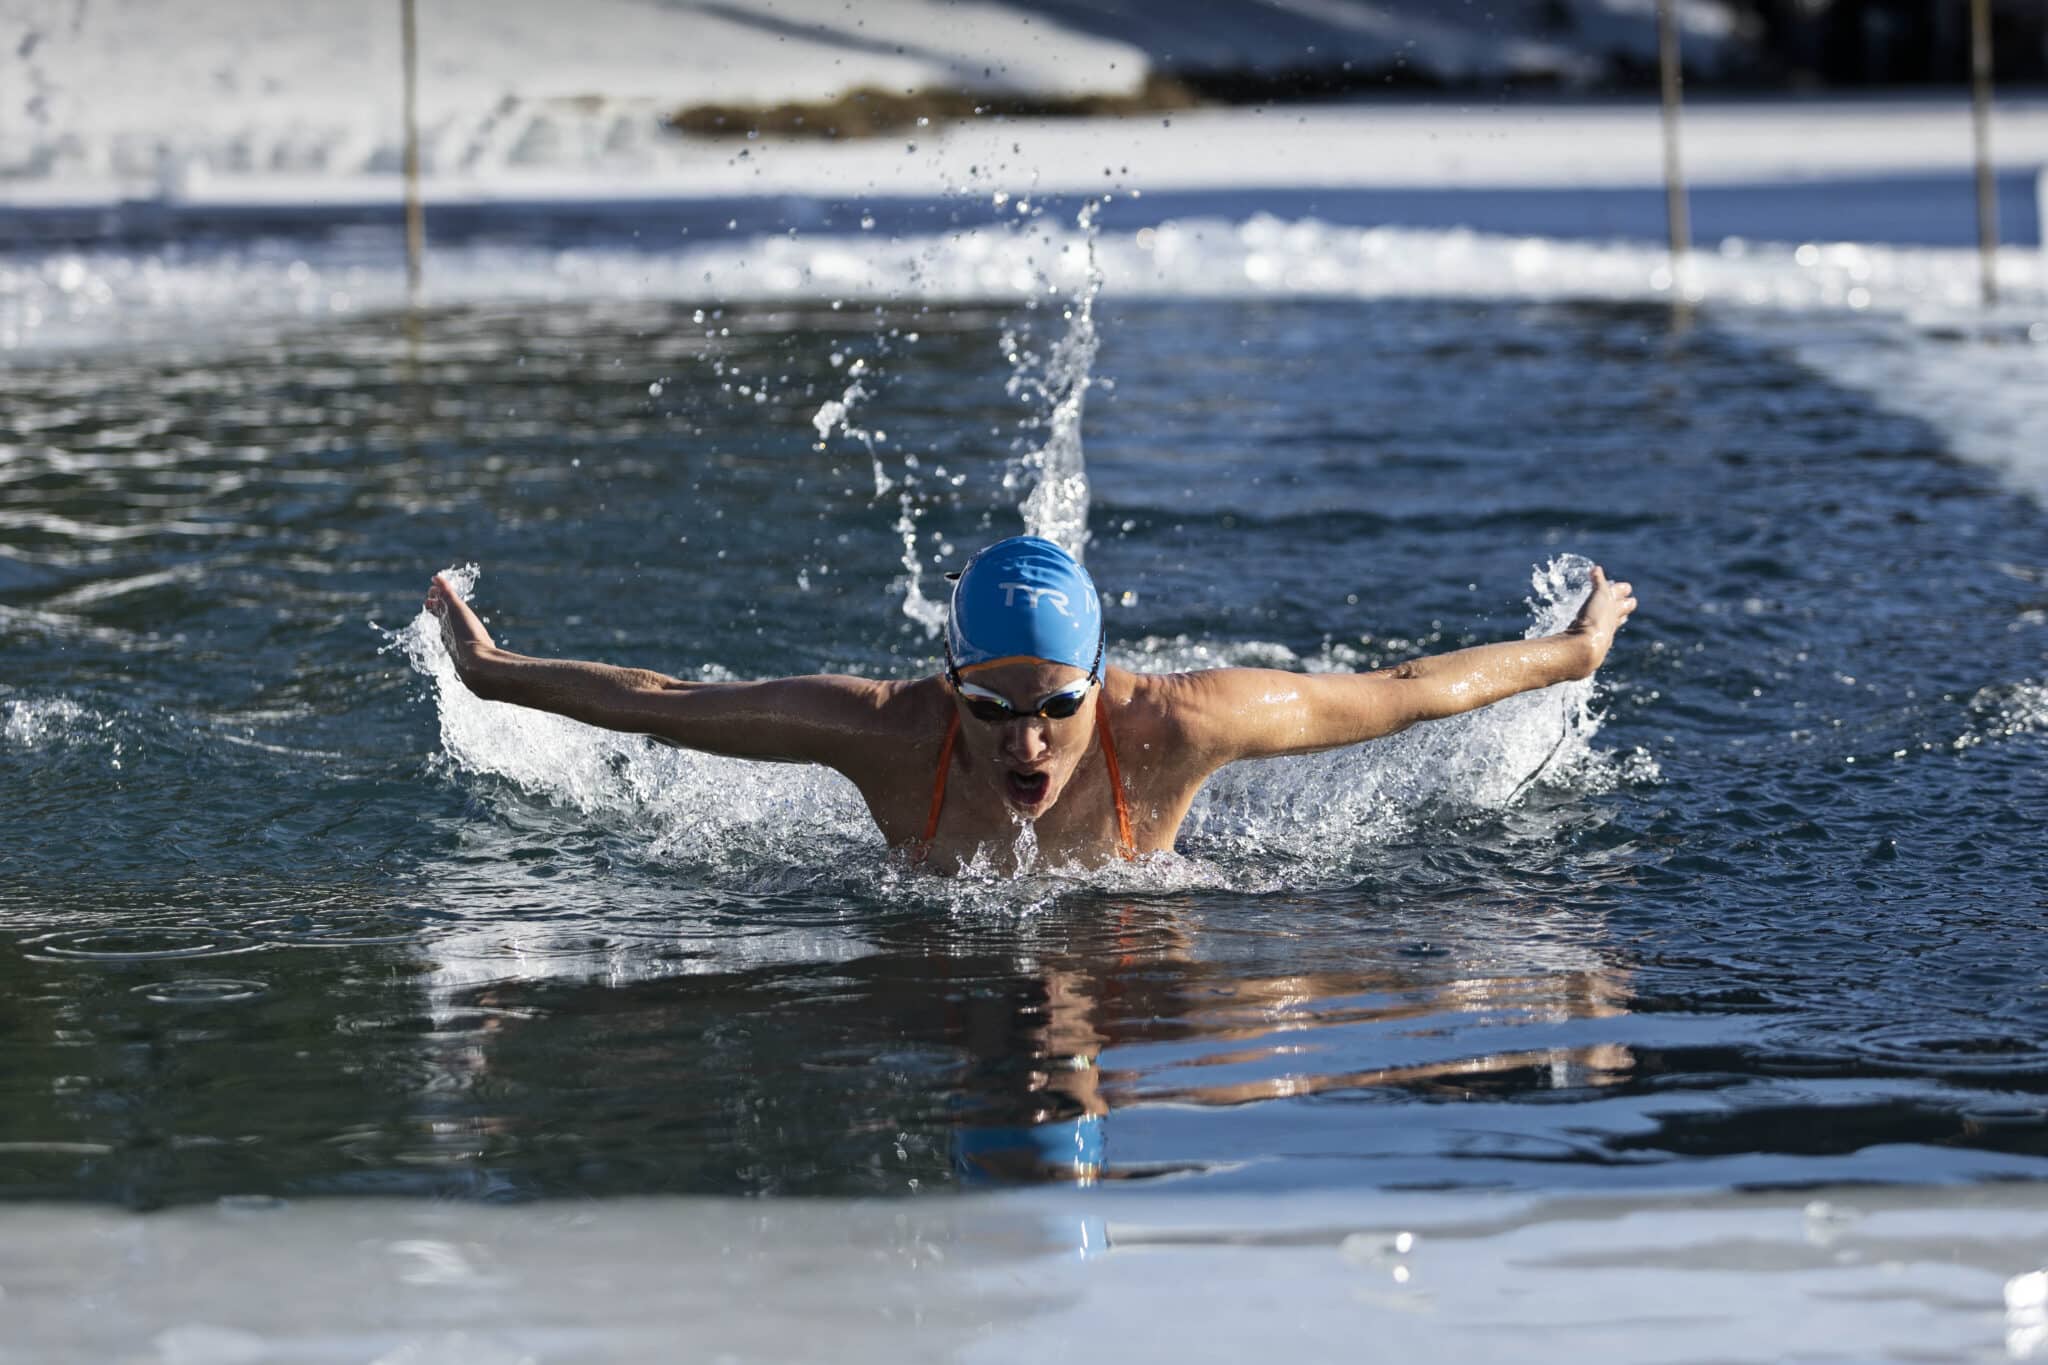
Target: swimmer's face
{"x": 1029, "y": 759}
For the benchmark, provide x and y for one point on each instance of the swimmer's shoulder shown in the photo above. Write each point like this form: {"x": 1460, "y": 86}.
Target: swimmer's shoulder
{"x": 892, "y": 752}
{"x": 1156, "y": 698}
{"x": 889, "y": 712}
{"x": 1186, "y": 717}
{"x": 1153, "y": 708}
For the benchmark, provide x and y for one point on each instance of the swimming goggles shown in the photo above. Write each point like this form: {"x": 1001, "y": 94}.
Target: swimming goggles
{"x": 992, "y": 708}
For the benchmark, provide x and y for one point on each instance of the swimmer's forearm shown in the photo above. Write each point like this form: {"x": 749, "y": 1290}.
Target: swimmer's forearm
{"x": 1444, "y": 685}
{"x": 596, "y": 694}
{"x": 1333, "y": 710}
{"x": 1263, "y": 713}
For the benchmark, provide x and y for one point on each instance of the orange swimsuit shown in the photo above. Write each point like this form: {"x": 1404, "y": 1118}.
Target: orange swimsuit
{"x": 1126, "y": 843}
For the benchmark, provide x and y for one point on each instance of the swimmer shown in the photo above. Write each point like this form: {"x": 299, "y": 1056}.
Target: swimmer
{"x": 1028, "y": 722}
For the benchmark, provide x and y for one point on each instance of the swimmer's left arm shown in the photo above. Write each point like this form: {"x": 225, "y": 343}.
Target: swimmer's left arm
{"x": 1258, "y": 713}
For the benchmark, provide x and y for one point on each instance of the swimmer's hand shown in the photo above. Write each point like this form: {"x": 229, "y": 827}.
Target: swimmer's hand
{"x": 462, "y": 630}
{"x": 1607, "y": 607}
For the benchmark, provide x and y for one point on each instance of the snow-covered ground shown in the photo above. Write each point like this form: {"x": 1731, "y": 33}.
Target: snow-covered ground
{"x": 107, "y": 99}
{"x": 1866, "y": 1273}
{"x": 1404, "y": 145}
{"x": 224, "y": 104}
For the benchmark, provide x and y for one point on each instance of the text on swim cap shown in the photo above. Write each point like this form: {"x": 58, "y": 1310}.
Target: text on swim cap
{"x": 1053, "y": 595}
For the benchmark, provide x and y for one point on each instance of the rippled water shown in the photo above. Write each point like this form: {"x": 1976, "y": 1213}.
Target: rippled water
{"x": 283, "y": 912}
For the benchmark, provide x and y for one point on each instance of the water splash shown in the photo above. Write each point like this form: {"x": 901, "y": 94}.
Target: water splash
{"x": 33, "y": 723}
{"x": 835, "y": 418}
{"x": 1055, "y": 471}
{"x": 718, "y": 815}
{"x": 1322, "y": 811}
{"x": 2004, "y": 712}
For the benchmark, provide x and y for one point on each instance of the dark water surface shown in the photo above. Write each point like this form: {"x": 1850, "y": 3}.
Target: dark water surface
{"x": 259, "y": 934}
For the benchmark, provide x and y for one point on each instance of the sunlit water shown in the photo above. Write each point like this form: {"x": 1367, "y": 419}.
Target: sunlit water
{"x": 284, "y": 911}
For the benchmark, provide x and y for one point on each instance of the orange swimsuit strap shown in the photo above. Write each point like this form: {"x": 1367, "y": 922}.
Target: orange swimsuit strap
{"x": 931, "y": 822}
{"x": 1126, "y": 842}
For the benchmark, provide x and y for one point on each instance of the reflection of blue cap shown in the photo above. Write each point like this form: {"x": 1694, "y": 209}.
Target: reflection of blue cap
{"x": 1025, "y": 598}
{"x": 1071, "y": 1147}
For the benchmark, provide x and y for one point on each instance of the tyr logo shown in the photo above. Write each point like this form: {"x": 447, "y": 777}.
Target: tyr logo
{"x": 1052, "y": 595}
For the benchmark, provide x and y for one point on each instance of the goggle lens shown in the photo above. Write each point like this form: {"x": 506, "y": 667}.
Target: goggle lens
{"x": 993, "y": 710}
{"x": 1061, "y": 705}
{"x": 988, "y": 712}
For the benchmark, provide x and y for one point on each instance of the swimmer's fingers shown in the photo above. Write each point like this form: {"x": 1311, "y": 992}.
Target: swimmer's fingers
{"x": 440, "y": 594}
{"x": 461, "y": 628}
{"x": 1623, "y": 595}
{"x": 1607, "y": 606}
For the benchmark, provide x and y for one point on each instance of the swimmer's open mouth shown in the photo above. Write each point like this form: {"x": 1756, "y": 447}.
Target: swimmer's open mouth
{"x": 1027, "y": 789}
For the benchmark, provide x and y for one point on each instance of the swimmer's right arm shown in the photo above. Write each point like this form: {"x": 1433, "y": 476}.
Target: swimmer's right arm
{"x": 821, "y": 719}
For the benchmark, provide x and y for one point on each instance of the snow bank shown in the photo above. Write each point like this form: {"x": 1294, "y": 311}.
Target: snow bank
{"x": 1135, "y": 1270}
{"x": 139, "y": 98}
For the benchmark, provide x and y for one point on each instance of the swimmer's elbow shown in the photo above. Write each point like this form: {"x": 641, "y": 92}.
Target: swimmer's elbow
{"x": 485, "y": 675}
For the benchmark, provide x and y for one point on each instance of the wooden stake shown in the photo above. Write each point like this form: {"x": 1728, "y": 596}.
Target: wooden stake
{"x": 415, "y": 215}
{"x": 1980, "y": 121}
{"x": 1677, "y": 216}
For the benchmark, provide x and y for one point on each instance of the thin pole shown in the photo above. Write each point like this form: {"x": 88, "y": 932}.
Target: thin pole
{"x": 1676, "y": 213}
{"x": 415, "y": 216}
{"x": 1980, "y": 122}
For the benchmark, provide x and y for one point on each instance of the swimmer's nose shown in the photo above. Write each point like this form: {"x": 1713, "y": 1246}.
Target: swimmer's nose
{"x": 1025, "y": 741}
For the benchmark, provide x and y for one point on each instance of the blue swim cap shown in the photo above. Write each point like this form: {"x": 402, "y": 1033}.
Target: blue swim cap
{"x": 1025, "y": 598}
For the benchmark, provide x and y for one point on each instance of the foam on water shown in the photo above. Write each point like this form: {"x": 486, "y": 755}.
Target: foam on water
{"x": 34, "y": 723}
{"x": 72, "y": 297}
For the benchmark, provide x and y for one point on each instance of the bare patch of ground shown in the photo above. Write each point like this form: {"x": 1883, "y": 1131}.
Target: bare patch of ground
{"x": 872, "y": 112}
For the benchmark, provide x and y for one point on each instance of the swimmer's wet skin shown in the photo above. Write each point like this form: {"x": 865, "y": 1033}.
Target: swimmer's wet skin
{"x": 1027, "y": 724}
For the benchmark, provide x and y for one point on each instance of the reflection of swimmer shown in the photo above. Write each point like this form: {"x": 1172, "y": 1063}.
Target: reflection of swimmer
{"x": 1036, "y": 1113}
{"x": 1027, "y": 724}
